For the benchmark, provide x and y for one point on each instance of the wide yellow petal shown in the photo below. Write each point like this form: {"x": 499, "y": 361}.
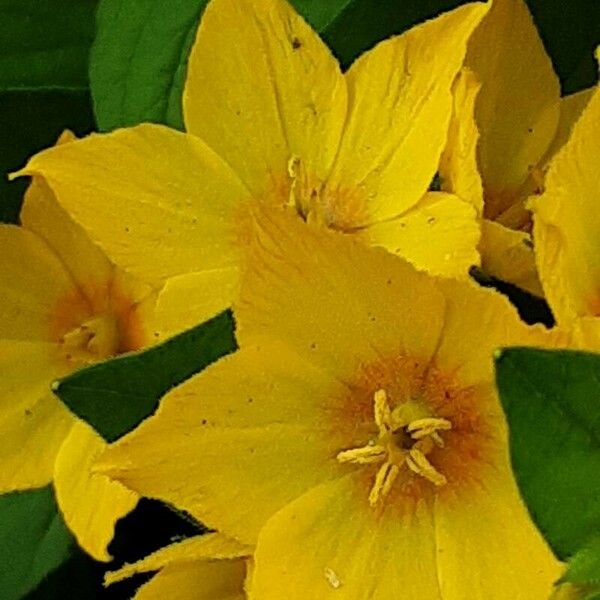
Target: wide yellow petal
{"x": 330, "y": 544}
{"x": 477, "y": 322}
{"x": 567, "y": 222}
{"x": 458, "y": 166}
{"x": 261, "y": 89}
{"x": 32, "y": 281}
{"x": 215, "y": 580}
{"x": 90, "y": 503}
{"x": 508, "y": 255}
{"x": 190, "y": 299}
{"x": 33, "y": 423}
{"x": 325, "y": 293}
{"x": 42, "y": 214}
{"x": 571, "y": 108}
{"x": 400, "y": 104}
{"x": 438, "y": 235}
{"x": 232, "y": 433}
{"x": 488, "y": 546}
{"x": 194, "y": 549}
{"x": 158, "y": 202}
{"x": 517, "y": 109}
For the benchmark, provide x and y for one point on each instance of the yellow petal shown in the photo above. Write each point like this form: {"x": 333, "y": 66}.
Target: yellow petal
{"x": 400, "y": 104}
{"x": 274, "y": 93}
{"x": 508, "y": 255}
{"x": 571, "y": 108}
{"x": 187, "y": 300}
{"x": 330, "y": 544}
{"x": 567, "y": 222}
{"x": 438, "y": 235}
{"x": 159, "y": 202}
{"x": 326, "y": 293}
{"x": 90, "y": 503}
{"x": 517, "y": 108}
{"x": 84, "y": 261}
{"x": 32, "y": 281}
{"x": 231, "y": 433}
{"x": 195, "y": 549}
{"x": 33, "y": 423}
{"x": 488, "y": 546}
{"x": 218, "y": 580}
{"x": 482, "y": 314}
{"x": 458, "y": 166}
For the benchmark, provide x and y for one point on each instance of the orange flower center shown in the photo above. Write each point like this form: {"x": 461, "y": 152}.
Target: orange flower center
{"x": 414, "y": 431}
{"x": 342, "y": 209}
{"x": 92, "y": 326}
{"x": 405, "y": 439}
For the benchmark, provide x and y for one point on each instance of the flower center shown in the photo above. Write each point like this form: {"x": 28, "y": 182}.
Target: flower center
{"x": 93, "y": 340}
{"x": 342, "y": 209}
{"x": 406, "y": 435}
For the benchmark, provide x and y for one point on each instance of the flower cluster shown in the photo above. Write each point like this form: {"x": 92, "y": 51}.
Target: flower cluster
{"x": 353, "y": 447}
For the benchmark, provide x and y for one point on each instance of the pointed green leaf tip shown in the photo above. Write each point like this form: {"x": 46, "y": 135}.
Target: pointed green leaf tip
{"x": 114, "y": 396}
{"x": 33, "y": 541}
{"x": 552, "y": 403}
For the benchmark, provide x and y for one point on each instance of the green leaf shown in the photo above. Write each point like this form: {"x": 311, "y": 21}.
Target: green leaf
{"x": 551, "y": 402}
{"x": 116, "y": 395}
{"x": 29, "y": 122}
{"x": 43, "y": 44}
{"x": 33, "y": 541}
{"x": 584, "y": 566}
{"x": 138, "y": 61}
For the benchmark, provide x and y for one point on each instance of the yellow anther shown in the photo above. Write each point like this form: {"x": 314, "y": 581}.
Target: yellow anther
{"x": 383, "y": 482}
{"x": 424, "y": 427}
{"x": 363, "y": 456}
{"x": 417, "y": 462}
{"x": 383, "y": 414}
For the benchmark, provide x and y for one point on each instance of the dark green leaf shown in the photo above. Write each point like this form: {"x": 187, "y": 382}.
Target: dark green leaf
{"x": 33, "y": 541}
{"x": 138, "y": 61}
{"x": 44, "y": 44}
{"x": 116, "y": 395}
{"x": 30, "y": 121}
{"x": 584, "y": 566}
{"x": 551, "y": 402}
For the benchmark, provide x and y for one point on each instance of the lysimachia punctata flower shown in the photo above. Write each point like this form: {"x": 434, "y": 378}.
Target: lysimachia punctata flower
{"x": 356, "y": 436}
{"x": 271, "y": 119}
{"x": 207, "y": 567}
{"x": 509, "y": 121}
{"x": 567, "y": 228}
{"x": 63, "y": 305}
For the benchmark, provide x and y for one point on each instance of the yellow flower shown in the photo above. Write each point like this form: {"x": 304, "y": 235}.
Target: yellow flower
{"x": 271, "y": 119}
{"x": 207, "y": 567}
{"x": 62, "y": 306}
{"x": 509, "y": 121}
{"x": 356, "y": 436}
{"x": 567, "y": 226}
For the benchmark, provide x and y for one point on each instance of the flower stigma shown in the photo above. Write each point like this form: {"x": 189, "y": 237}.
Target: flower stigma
{"x": 406, "y": 435}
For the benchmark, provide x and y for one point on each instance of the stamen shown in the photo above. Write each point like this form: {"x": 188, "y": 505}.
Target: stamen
{"x": 383, "y": 415}
{"x": 417, "y": 462}
{"x": 383, "y": 482}
{"x": 363, "y": 456}
{"x": 421, "y": 428}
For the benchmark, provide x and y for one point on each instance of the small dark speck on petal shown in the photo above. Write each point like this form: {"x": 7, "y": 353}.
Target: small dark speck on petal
{"x": 530, "y": 129}
{"x": 28, "y": 413}
{"x": 204, "y": 421}
{"x": 250, "y": 400}
{"x": 430, "y": 220}
{"x": 126, "y": 229}
{"x": 296, "y": 43}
